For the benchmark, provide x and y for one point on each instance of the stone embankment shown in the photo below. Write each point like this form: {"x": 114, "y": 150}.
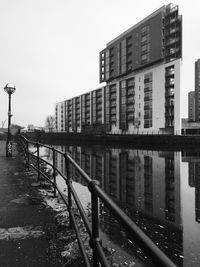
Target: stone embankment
{"x": 143, "y": 141}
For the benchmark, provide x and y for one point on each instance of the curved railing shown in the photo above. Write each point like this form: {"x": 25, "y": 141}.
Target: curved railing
{"x": 98, "y": 258}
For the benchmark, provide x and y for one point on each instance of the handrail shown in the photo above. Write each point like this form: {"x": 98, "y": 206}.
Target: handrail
{"x": 156, "y": 255}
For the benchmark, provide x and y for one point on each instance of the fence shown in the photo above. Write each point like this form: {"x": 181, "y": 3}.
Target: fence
{"x": 98, "y": 257}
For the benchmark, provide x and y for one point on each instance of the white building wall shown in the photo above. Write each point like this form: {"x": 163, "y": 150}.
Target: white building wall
{"x": 158, "y": 98}
{"x": 177, "y": 97}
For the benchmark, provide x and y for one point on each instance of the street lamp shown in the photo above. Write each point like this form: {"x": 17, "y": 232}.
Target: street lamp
{"x": 10, "y": 89}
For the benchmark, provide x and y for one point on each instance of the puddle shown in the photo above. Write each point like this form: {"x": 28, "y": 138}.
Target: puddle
{"x": 27, "y": 199}
{"x": 24, "y": 199}
{"x": 21, "y": 232}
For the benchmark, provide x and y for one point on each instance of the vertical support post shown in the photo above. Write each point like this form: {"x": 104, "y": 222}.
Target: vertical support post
{"x": 68, "y": 189}
{"x": 10, "y": 89}
{"x": 27, "y": 154}
{"x": 54, "y": 172}
{"x": 95, "y": 221}
{"x": 38, "y": 160}
{"x": 9, "y": 142}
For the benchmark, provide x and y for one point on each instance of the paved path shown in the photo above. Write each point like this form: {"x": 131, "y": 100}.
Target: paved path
{"x": 25, "y": 224}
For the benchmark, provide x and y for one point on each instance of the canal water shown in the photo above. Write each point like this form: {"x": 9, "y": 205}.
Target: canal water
{"x": 159, "y": 191}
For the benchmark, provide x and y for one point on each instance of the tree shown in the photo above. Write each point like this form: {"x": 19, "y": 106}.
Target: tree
{"x": 49, "y": 123}
{"x": 3, "y": 122}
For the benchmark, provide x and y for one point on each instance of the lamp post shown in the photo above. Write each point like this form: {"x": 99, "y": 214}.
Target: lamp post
{"x": 10, "y": 89}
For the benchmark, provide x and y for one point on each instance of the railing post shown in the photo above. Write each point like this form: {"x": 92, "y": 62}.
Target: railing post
{"x": 38, "y": 160}
{"x": 68, "y": 190}
{"x": 27, "y": 155}
{"x": 54, "y": 172}
{"x": 95, "y": 221}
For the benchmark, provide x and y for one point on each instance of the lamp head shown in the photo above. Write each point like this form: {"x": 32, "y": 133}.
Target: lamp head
{"x": 9, "y": 88}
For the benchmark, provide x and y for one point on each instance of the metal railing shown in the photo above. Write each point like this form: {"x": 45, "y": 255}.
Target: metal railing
{"x": 98, "y": 256}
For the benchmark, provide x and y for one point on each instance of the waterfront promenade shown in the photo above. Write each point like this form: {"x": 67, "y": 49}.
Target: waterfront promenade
{"x": 26, "y": 225}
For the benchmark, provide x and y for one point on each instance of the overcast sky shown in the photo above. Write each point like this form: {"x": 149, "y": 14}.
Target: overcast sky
{"x": 49, "y": 49}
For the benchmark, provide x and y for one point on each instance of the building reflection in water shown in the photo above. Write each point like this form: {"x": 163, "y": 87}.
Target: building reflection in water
{"x": 194, "y": 181}
{"x": 146, "y": 184}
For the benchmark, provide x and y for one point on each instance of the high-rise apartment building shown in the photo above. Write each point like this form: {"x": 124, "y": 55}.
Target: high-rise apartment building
{"x": 141, "y": 68}
{"x": 191, "y": 106}
{"x": 197, "y": 90}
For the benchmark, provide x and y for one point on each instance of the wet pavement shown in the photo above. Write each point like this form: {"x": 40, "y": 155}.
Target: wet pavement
{"x": 26, "y": 225}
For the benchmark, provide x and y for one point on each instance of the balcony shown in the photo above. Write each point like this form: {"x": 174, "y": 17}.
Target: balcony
{"x": 113, "y": 97}
{"x": 148, "y": 107}
{"x": 169, "y": 93}
{"x": 113, "y": 104}
{"x": 87, "y": 118}
{"x": 130, "y": 92}
{"x": 87, "y": 105}
{"x": 171, "y": 8}
{"x": 172, "y": 51}
{"x": 169, "y": 84}
{"x": 172, "y": 31}
{"x": 99, "y": 107}
{"x": 129, "y": 50}
{"x": 170, "y": 21}
{"x": 130, "y": 117}
{"x": 113, "y": 112}
{"x": 147, "y": 98}
{"x": 147, "y": 80}
{"x": 99, "y": 101}
{"x": 130, "y": 83}
{"x": 147, "y": 89}
{"x": 99, "y": 95}
{"x": 99, "y": 115}
{"x": 172, "y": 41}
{"x": 169, "y": 115}
{"x": 169, "y": 72}
{"x": 130, "y": 109}
{"x": 169, "y": 104}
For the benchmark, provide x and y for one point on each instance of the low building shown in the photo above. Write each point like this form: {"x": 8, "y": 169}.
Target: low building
{"x": 190, "y": 128}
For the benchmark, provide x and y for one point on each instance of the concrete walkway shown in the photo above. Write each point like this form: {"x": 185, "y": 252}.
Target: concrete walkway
{"x": 26, "y": 225}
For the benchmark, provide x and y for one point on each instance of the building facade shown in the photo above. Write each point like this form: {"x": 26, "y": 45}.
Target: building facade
{"x": 60, "y": 118}
{"x": 191, "y": 106}
{"x": 141, "y": 68}
{"x": 197, "y": 90}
